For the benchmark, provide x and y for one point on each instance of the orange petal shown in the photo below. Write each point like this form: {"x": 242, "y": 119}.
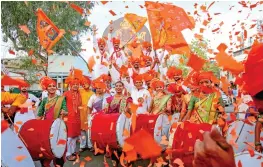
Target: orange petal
{"x": 88, "y": 158}
{"x": 20, "y": 158}
{"x": 31, "y": 129}
{"x": 62, "y": 142}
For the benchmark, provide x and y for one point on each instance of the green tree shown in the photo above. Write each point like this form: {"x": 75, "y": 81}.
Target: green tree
{"x": 199, "y": 48}
{"x": 15, "y": 13}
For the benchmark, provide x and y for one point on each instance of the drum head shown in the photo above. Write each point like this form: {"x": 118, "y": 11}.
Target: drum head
{"x": 248, "y": 161}
{"x": 161, "y": 129}
{"x": 123, "y": 123}
{"x": 243, "y": 135}
{"x": 58, "y": 133}
{"x": 12, "y": 149}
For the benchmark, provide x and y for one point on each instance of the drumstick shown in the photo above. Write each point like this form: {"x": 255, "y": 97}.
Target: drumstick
{"x": 17, "y": 132}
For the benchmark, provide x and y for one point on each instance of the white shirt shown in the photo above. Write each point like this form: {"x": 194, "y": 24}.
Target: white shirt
{"x": 94, "y": 98}
{"x": 32, "y": 97}
{"x": 142, "y": 93}
{"x": 121, "y": 60}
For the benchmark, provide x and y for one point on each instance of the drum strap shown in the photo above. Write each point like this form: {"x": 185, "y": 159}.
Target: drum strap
{"x": 240, "y": 131}
{"x": 58, "y": 106}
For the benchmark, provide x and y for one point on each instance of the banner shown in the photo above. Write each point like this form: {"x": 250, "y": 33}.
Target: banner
{"x": 166, "y": 23}
{"x": 48, "y": 33}
{"x": 137, "y": 22}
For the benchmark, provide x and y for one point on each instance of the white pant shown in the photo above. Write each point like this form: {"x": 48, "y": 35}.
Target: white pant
{"x": 83, "y": 139}
{"x": 71, "y": 146}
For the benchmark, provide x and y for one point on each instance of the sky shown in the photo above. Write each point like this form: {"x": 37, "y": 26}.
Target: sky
{"x": 101, "y": 17}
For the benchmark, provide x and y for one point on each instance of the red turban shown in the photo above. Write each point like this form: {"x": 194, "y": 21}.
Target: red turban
{"x": 85, "y": 80}
{"x": 172, "y": 72}
{"x": 253, "y": 76}
{"x": 146, "y": 44}
{"x": 101, "y": 41}
{"x": 45, "y": 81}
{"x": 100, "y": 85}
{"x": 157, "y": 83}
{"x": 116, "y": 41}
{"x": 138, "y": 78}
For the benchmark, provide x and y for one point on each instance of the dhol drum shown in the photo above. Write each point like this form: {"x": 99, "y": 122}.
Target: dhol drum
{"x": 14, "y": 152}
{"x": 157, "y": 125}
{"x": 247, "y": 161}
{"x": 241, "y": 134}
{"x": 107, "y": 129}
{"x": 45, "y": 138}
{"x": 184, "y": 138}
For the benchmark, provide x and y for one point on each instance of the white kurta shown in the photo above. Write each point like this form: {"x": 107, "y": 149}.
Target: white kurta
{"x": 145, "y": 94}
{"x": 121, "y": 59}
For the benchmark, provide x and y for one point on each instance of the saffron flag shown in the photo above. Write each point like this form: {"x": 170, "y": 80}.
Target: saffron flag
{"x": 48, "y": 33}
{"x": 166, "y": 23}
{"x": 137, "y": 22}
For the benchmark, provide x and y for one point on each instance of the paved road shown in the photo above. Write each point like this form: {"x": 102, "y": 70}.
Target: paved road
{"x": 98, "y": 161}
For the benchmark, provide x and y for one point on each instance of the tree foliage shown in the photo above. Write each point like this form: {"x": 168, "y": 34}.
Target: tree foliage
{"x": 199, "y": 48}
{"x": 15, "y": 13}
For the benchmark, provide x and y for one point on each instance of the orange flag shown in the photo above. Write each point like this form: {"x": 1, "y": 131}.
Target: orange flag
{"x": 228, "y": 62}
{"x": 48, "y": 33}
{"x": 165, "y": 28}
{"x": 195, "y": 62}
{"x": 137, "y": 22}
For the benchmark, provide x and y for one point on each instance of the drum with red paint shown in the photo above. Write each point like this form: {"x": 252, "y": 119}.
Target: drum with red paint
{"x": 45, "y": 138}
{"x": 107, "y": 129}
{"x": 183, "y": 141}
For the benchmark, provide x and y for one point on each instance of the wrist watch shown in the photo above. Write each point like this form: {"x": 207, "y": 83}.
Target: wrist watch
{"x": 257, "y": 144}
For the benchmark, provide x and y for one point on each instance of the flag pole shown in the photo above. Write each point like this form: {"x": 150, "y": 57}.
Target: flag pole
{"x": 75, "y": 50}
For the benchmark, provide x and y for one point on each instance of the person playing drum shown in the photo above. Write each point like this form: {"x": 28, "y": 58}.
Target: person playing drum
{"x": 118, "y": 103}
{"x": 85, "y": 93}
{"x": 15, "y": 100}
{"x": 203, "y": 109}
{"x": 51, "y": 107}
{"x": 26, "y": 111}
{"x": 161, "y": 102}
{"x": 140, "y": 95}
{"x": 97, "y": 101}
{"x": 73, "y": 101}
{"x": 178, "y": 103}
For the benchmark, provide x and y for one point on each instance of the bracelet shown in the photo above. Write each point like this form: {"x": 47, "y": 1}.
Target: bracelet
{"x": 257, "y": 144}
